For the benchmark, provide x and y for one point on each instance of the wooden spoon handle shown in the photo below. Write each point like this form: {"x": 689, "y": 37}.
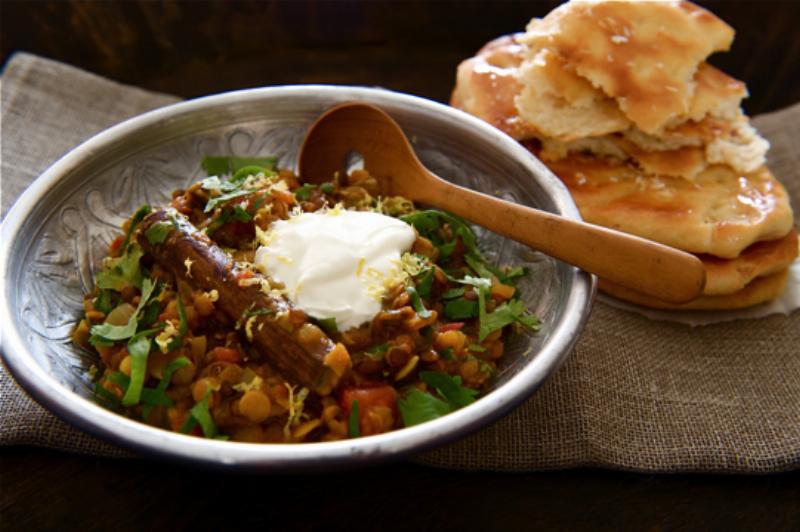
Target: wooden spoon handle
{"x": 642, "y": 265}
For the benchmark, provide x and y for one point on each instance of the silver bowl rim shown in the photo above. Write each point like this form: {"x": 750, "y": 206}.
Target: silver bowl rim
{"x": 92, "y": 418}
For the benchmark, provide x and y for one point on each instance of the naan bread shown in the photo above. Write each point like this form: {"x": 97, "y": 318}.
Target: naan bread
{"x": 759, "y": 291}
{"x": 726, "y": 276}
{"x": 643, "y": 54}
{"x": 720, "y": 213}
{"x": 562, "y": 105}
{"x": 487, "y": 84}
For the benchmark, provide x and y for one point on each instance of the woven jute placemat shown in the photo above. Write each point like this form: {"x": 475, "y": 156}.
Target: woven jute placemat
{"x": 635, "y": 394}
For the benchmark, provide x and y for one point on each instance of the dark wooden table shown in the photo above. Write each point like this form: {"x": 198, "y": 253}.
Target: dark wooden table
{"x": 197, "y": 48}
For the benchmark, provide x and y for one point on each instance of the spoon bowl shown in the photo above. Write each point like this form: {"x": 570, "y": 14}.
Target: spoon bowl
{"x": 642, "y": 265}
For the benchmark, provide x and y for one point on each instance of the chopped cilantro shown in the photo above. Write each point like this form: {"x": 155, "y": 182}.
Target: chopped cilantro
{"x": 418, "y": 407}
{"x": 221, "y": 165}
{"x": 304, "y": 192}
{"x": 106, "y": 331}
{"x": 328, "y": 325}
{"x": 262, "y": 311}
{"x": 425, "y": 283}
{"x": 376, "y": 352}
{"x": 138, "y": 349}
{"x": 353, "y": 429}
{"x": 138, "y": 216}
{"x": 213, "y": 202}
{"x": 104, "y": 302}
{"x": 416, "y": 302}
{"x": 202, "y": 415}
{"x": 506, "y": 314}
{"x": 158, "y": 232}
{"x": 447, "y": 353}
{"x": 240, "y": 214}
{"x": 453, "y": 293}
{"x": 460, "y": 309}
{"x": 449, "y": 387}
{"x": 183, "y": 326}
{"x": 122, "y": 271}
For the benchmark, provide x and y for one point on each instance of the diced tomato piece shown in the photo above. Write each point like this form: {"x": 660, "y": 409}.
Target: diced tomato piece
{"x": 372, "y": 401}
{"x": 116, "y": 244}
{"x": 226, "y": 354}
{"x": 454, "y": 326}
{"x": 244, "y": 274}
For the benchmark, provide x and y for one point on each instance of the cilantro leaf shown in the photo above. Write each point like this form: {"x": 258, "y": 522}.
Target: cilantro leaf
{"x": 450, "y": 388}
{"x": 328, "y": 325}
{"x": 240, "y": 214}
{"x": 114, "y": 333}
{"x": 425, "y": 283}
{"x": 376, "y": 352}
{"x": 506, "y": 314}
{"x": 213, "y": 202}
{"x": 453, "y": 293}
{"x": 202, "y": 415}
{"x": 418, "y": 407}
{"x": 353, "y": 429}
{"x": 304, "y": 192}
{"x": 122, "y": 271}
{"x": 221, "y": 165}
{"x": 138, "y": 349}
{"x": 138, "y": 216}
{"x": 416, "y": 302}
{"x": 460, "y": 309}
{"x": 158, "y": 232}
{"x": 183, "y": 326}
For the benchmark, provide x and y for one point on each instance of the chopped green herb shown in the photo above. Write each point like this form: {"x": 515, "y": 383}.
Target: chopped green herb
{"x": 416, "y": 302}
{"x": 122, "y": 271}
{"x": 447, "y": 353}
{"x": 102, "y": 394}
{"x": 183, "y": 327}
{"x": 353, "y": 429}
{"x": 304, "y": 192}
{"x": 328, "y": 325}
{"x": 243, "y": 173}
{"x": 461, "y": 309}
{"x": 138, "y": 349}
{"x": 453, "y": 293}
{"x": 104, "y": 302}
{"x": 425, "y": 283}
{"x": 376, "y": 352}
{"x": 506, "y": 314}
{"x": 158, "y": 232}
{"x": 114, "y": 333}
{"x": 327, "y": 188}
{"x": 138, "y": 216}
{"x": 450, "y": 388}
{"x": 213, "y": 202}
{"x": 240, "y": 214}
{"x": 158, "y": 396}
{"x": 201, "y": 413}
{"x": 221, "y": 165}
{"x": 262, "y": 311}
{"x": 418, "y": 407}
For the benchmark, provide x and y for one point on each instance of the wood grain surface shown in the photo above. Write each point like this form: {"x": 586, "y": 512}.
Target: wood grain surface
{"x": 201, "y": 47}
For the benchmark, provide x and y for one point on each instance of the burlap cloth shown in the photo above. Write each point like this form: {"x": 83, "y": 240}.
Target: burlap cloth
{"x": 635, "y": 394}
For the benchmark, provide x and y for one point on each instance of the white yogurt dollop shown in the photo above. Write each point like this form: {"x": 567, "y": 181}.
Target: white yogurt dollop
{"x": 336, "y": 264}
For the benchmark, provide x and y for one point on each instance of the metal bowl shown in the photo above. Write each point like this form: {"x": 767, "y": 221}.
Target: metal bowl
{"x": 56, "y": 235}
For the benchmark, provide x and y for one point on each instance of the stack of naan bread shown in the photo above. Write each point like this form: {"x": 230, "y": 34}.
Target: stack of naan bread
{"x": 617, "y": 99}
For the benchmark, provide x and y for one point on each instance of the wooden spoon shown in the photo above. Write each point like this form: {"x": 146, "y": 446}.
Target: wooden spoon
{"x": 642, "y": 265}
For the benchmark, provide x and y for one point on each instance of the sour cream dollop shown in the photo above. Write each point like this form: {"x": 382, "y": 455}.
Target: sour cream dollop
{"x": 337, "y": 264}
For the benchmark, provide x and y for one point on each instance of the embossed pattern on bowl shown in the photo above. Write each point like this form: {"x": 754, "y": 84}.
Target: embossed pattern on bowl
{"x": 58, "y": 232}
